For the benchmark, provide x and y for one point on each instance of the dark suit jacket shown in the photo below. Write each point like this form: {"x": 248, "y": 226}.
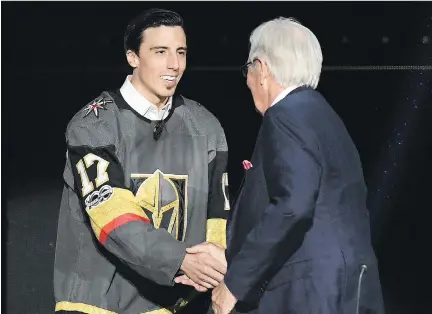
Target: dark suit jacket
{"x": 299, "y": 235}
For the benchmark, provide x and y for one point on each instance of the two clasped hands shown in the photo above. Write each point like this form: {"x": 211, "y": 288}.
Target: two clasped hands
{"x": 204, "y": 267}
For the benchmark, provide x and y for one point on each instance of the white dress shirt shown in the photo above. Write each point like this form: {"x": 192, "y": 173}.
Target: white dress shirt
{"x": 283, "y": 94}
{"x": 141, "y": 104}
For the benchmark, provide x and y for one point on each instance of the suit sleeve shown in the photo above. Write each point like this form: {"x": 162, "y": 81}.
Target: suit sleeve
{"x": 117, "y": 220}
{"x": 218, "y": 199}
{"x": 292, "y": 174}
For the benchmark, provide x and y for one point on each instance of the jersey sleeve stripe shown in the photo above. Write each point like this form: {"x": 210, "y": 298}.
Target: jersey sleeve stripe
{"x": 121, "y": 207}
{"x": 117, "y": 222}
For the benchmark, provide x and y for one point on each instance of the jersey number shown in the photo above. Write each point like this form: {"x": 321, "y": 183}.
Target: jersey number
{"x": 101, "y": 177}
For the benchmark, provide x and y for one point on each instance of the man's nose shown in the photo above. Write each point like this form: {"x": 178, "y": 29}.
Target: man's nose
{"x": 173, "y": 62}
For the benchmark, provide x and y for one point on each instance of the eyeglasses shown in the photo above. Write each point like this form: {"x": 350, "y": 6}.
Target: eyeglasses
{"x": 245, "y": 68}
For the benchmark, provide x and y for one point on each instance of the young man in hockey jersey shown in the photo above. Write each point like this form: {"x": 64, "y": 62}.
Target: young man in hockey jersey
{"x": 145, "y": 178}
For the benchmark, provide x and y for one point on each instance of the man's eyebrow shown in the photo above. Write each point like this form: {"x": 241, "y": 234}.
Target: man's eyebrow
{"x": 164, "y": 47}
{"x": 158, "y": 47}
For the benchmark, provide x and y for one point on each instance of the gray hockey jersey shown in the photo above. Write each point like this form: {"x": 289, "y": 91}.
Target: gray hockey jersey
{"x": 132, "y": 204}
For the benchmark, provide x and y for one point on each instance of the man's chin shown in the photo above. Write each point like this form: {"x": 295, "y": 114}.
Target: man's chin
{"x": 168, "y": 92}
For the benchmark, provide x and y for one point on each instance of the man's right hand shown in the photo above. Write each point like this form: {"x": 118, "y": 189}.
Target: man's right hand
{"x": 203, "y": 269}
{"x": 214, "y": 249}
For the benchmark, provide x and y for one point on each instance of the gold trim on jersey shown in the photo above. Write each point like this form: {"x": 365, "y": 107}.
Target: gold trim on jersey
{"x": 119, "y": 209}
{"x": 160, "y": 311}
{"x": 91, "y": 309}
{"x": 216, "y": 231}
{"x": 81, "y": 307}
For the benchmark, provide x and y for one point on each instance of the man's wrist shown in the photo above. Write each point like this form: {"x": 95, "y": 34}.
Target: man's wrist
{"x": 183, "y": 262}
{"x": 229, "y": 286}
{"x": 180, "y": 271}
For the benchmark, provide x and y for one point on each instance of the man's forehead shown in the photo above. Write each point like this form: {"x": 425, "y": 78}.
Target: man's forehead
{"x": 163, "y": 33}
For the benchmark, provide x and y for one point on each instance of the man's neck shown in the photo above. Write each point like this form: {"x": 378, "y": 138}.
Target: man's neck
{"x": 274, "y": 91}
{"x": 155, "y": 100}
{"x": 278, "y": 93}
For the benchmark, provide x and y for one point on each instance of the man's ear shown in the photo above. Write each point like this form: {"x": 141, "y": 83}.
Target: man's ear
{"x": 264, "y": 71}
{"x": 132, "y": 58}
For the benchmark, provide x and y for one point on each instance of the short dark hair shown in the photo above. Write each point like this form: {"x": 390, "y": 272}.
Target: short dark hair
{"x": 149, "y": 18}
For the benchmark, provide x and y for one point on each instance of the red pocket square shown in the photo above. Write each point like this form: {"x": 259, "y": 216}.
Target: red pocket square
{"x": 247, "y": 164}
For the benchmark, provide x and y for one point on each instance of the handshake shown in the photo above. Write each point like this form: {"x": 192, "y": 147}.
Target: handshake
{"x": 204, "y": 266}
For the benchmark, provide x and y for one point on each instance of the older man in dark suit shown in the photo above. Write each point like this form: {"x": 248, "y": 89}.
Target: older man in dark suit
{"x": 299, "y": 238}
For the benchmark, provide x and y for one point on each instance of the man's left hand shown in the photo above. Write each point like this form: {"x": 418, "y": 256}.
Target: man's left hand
{"x": 223, "y": 300}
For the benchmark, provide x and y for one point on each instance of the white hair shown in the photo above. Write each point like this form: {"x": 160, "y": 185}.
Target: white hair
{"x": 291, "y": 51}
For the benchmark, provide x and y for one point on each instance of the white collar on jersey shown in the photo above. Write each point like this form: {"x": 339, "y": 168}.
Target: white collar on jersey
{"x": 141, "y": 104}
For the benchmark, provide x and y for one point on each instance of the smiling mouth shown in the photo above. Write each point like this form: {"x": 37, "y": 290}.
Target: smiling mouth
{"x": 169, "y": 78}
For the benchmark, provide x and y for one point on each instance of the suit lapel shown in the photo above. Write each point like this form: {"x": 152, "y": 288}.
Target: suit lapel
{"x": 238, "y": 194}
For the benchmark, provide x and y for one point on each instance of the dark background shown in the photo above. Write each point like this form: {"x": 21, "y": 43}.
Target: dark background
{"x": 56, "y": 57}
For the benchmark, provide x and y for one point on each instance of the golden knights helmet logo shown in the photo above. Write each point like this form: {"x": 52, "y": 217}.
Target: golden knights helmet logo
{"x": 163, "y": 198}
